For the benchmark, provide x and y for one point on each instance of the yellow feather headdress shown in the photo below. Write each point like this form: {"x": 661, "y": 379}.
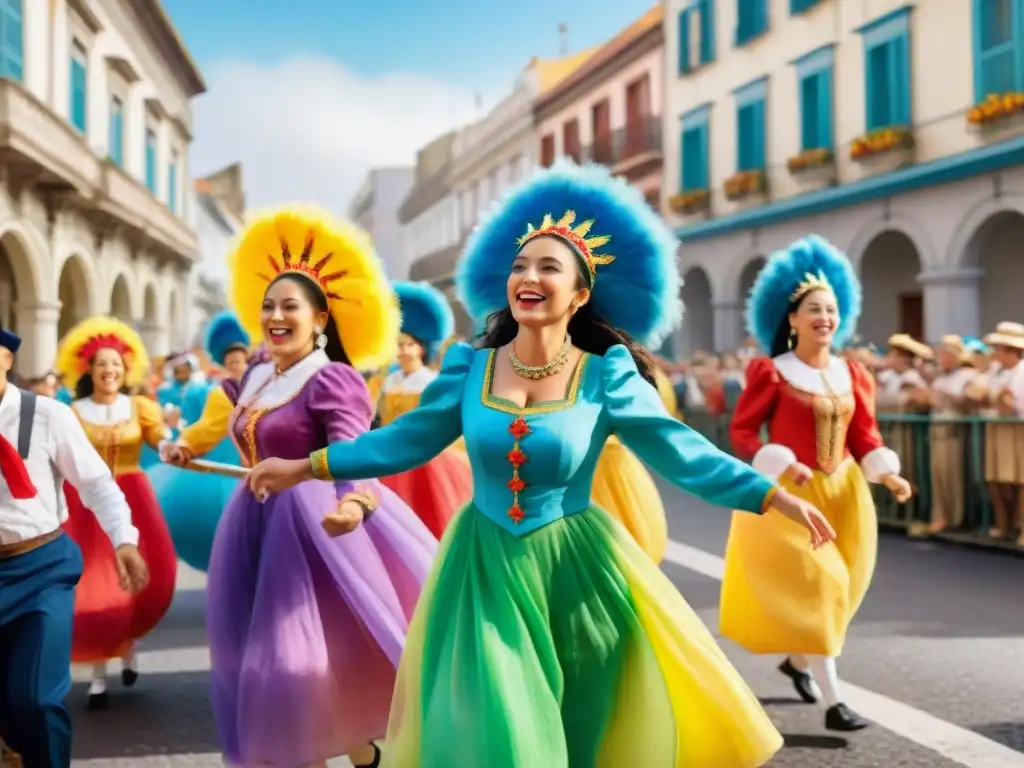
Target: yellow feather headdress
{"x": 82, "y": 342}
{"x": 339, "y": 258}
{"x": 576, "y": 236}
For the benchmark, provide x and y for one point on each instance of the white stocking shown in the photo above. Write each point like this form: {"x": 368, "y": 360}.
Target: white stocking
{"x": 98, "y": 684}
{"x": 823, "y": 668}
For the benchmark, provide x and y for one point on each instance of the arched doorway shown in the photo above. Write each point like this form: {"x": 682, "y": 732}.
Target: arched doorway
{"x": 73, "y": 292}
{"x": 698, "y": 329}
{"x": 746, "y": 284}
{"x": 8, "y": 289}
{"x": 150, "y": 309}
{"x": 175, "y": 329}
{"x": 888, "y": 274}
{"x": 121, "y": 300}
{"x": 995, "y": 248}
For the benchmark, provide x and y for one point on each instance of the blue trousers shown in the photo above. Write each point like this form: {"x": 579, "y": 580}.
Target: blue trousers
{"x": 37, "y": 602}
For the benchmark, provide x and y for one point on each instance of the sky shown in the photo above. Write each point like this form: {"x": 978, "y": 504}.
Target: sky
{"x": 310, "y": 94}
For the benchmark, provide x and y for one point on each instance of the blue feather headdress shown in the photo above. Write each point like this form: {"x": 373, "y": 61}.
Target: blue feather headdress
{"x": 10, "y": 340}
{"x": 426, "y": 315}
{"x": 636, "y": 289}
{"x": 223, "y": 333}
{"x": 809, "y": 259}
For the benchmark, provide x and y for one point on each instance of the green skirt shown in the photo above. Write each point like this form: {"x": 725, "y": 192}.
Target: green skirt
{"x": 566, "y": 648}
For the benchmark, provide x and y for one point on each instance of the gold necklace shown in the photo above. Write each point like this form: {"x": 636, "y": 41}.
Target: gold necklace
{"x": 541, "y": 371}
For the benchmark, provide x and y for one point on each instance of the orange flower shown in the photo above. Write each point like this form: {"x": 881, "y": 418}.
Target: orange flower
{"x": 516, "y": 457}
{"x": 516, "y": 484}
{"x": 519, "y": 428}
{"x": 516, "y": 513}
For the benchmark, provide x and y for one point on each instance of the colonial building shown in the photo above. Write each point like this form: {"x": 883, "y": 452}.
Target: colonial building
{"x": 95, "y": 128}
{"x": 375, "y": 208}
{"x": 431, "y": 235}
{"x": 609, "y": 109}
{"x": 866, "y": 122}
{"x": 219, "y": 213}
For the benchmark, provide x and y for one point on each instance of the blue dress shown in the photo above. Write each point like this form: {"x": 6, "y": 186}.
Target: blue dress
{"x": 545, "y": 635}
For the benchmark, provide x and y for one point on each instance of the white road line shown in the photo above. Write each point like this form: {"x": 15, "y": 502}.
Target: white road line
{"x": 951, "y": 741}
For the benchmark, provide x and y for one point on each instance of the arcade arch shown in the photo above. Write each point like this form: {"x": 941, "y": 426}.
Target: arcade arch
{"x": 994, "y": 248}
{"x": 698, "y": 328}
{"x": 889, "y": 267}
{"x": 75, "y": 292}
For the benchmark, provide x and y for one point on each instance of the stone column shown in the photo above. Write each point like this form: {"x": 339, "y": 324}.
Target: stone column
{"x": 952, "y": 302}
{"x": 155, "y": 337}
{"x": 728, "y": 324}
{"x": 37, "y": 326}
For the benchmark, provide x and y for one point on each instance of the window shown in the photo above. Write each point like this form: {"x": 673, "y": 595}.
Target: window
{"x": 12, "y": 46}
{"x": 801, "y": 6}
{"x": 547, "y": 151}
{"x": 751, "y": 20}
{"x": 814, "y": 73}
{"x": 116, "y": 137}
{"x": 887, "y": 70}
{"x": 695, "y": 172}
{"x": 696, "y": 19}
{"x": 998, "y": 53}
{"x": 151, "y": 160}
{"x": 172, "y": 183}
{"x": 79, "y": 85}
{"x": 750, "y": 138}
{"x": 571, "y": 140}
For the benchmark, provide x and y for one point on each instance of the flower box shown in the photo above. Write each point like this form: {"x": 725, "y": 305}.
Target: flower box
{"x": 744, "y": 184}
{"x": 813, "y": 166}
{"x": 883, "y": 141}
{"x": 689, "y": 203}
{"x": 997, "y": 111}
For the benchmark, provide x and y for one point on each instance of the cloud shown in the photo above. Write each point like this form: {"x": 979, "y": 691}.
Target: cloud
{"x": 308, "y": 129}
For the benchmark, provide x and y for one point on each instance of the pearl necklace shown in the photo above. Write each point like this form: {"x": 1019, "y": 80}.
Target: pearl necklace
{"x": 541, "y": 371}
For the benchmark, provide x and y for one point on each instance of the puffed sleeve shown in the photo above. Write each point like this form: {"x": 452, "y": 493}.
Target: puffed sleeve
{"x": 212, "y": 426}
{"x": 672, "y": 449}
{"x": 151, "y": 420}
{"x": 340, "y": 401}
{"x": 863, "y": 438}
{"x": 753, "y": 409}
{"x": 411, "y": 440}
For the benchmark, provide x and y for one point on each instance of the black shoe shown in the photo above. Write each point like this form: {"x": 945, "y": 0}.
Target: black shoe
{"x": 802, "y": 682}
{"x": 98, "y": 701}
{"x": 842, "y": 718}
{"x": 376, "y": 759}
{"x": 129, "y": 677}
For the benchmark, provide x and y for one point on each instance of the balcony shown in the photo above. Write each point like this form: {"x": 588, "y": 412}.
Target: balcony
{"x": 39, "y": 148}
{"x": 629, "y": 151}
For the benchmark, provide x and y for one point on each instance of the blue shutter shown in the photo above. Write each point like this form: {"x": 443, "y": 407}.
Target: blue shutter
{"x": 825, "y": 109}
{"x": 116, "y": 138}
{"x": 759, "y": 135}
{"x": 12, "y": 41}
{"x": 151, "y": 161}
{"x": 899, "y": 52}
{"x": 78, "y": 88}
{"x": 744, "y": 137}
{"x": 809, "y": 106}
{"x": 684, "y": 41}
{"x": 998, "y": 62}
{"x": 878, "y": 115}
{"x": 691, "y": 160}
{"x": 704, "y": 154}
{"x": 172, "y": 184}
{"x": 707, "y": 31}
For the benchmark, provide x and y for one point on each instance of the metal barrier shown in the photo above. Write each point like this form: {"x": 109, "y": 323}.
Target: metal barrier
{"x": 950, "y": 462}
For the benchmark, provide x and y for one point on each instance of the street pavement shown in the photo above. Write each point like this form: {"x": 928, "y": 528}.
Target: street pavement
{"x": 936, "y": 656}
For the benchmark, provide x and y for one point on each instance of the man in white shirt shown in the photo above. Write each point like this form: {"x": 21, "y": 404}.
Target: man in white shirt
{"x": 42, "y": 443}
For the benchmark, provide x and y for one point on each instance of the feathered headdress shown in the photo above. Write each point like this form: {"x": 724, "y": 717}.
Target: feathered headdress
{"x": 224, "y": 333}
{"x": 10, "y": 340}
{"x": 82, "y": 342}
{"x": 339, "y": 258}
{"x": 810, "y": 263}
{"x": 627, "y": 251}
{"x": 426, "y": 315}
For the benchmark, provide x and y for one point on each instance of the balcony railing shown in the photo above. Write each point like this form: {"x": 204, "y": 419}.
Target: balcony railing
{"x": 639, "y": 138}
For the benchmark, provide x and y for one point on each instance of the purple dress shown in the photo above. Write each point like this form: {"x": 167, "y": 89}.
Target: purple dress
{"x": 306, "y": 630}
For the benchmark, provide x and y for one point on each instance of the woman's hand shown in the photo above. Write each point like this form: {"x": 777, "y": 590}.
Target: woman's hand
{"x": 172, "y": 453}
{"x": 806, "y": 514}
{"x": 798, "y": 473}
{"x": 899, "y": 487}
{"x": 345, "y": 519}
{"x": 276, "y": 475}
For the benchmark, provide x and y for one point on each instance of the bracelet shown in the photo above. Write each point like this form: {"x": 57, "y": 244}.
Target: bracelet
{"x": 318, "y": 463}
{"x": 364, "y": 498}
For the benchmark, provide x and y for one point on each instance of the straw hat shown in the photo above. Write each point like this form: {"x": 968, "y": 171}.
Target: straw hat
{"x": 905, "y": 343}
{"x": 1007, "y": 335}
{"x": 956, "y": 346}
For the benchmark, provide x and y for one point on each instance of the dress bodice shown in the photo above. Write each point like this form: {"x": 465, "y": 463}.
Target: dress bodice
{"x": 532, "y": 466}
{"x": 400, "y": 393}
{"x": 118, "y": 431}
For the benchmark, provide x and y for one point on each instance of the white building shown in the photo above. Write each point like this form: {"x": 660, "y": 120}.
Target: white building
{"x": 95, "y": 127}
{"x": 375, "y": 208}
{"x": 933, "y": 218}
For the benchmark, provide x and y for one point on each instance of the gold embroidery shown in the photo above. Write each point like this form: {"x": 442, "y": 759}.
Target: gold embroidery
{"x": 318, "y": 461}
{"x": 547, "y": 406}
{"x": 832, "y": 416}
{"x": 768, "y": 499}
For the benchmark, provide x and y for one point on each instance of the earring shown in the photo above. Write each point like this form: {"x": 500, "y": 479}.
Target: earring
{"x": 792, "y": 337}
{"x": 321, "y": 339}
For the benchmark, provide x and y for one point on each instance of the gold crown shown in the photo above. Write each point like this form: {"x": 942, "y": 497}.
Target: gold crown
{"x": 577, "y": 236}
{"x": 811, "y": 283}
{"x": 313, "y": 271}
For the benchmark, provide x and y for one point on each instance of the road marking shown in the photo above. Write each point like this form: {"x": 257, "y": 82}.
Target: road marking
{"x": 951, "y": 741}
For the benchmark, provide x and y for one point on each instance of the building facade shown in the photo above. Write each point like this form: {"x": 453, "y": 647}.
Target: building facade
{"x": 94, "y": 145}
{"x": 375, "y": 208}
{"x": 858, "y": 120}
{"x": 609, "y": 109}
{"x": 219, "y": 214}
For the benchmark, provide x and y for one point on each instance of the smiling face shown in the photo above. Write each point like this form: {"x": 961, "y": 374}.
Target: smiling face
{"x": 108, "y": 371}
{"x": 816, "y": 319}
{"x": 545, "y": 283}
{"x": 235, "y": 363}
{"x": 290, "y": 321}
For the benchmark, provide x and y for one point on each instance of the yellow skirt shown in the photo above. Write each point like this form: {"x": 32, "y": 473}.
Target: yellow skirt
{"x": 625, "y": 490}
{"x": 779, "y": 595}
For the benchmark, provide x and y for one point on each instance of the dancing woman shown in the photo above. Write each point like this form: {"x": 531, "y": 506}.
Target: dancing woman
{"x": 439, "y": 488}
{"x": 544, "y": 626}
{"x": 193, "y": 503}
{"x": 306, "y": 630}
{"x": 823, "y": 441}
{"x": 102, "y": 360}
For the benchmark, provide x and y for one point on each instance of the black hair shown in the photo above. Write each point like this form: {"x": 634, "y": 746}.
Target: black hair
{"x": 315, "y": 295}
{"x": 236, "y": 347}
{"x": 780, "y": 342}
{"x": 424, "y": 347}
{"x": 85, "y": 387}
{"x": 590, "y": 332}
